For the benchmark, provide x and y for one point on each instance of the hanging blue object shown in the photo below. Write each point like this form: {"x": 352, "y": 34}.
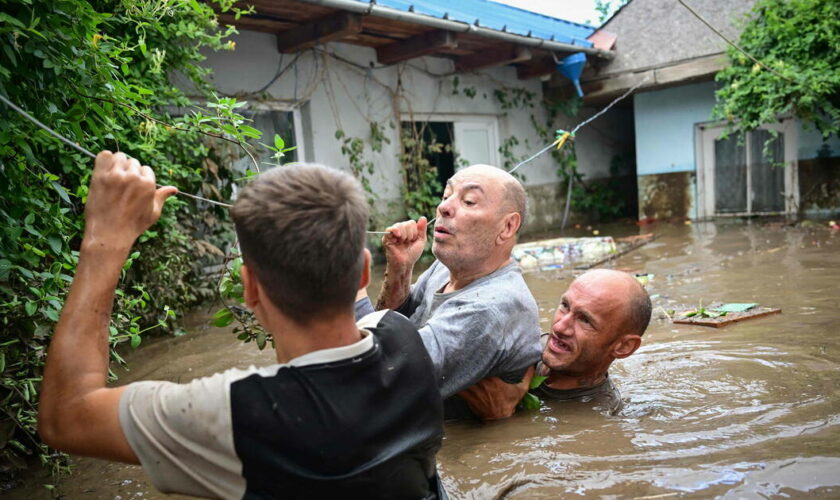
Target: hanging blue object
{"x": 571, "y": 67}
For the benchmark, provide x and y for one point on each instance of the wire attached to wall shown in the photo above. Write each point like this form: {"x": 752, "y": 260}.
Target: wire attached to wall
{"x": 563, "y": 137}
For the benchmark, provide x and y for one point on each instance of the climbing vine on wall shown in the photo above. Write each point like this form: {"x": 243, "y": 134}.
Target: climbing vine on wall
{"x": 420, "y": 178}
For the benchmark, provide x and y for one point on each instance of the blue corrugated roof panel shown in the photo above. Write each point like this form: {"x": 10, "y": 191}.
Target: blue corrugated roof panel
{"x": 497, "y": 17}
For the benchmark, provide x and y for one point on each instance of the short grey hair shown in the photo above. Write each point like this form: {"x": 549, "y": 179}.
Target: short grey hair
{"x": 638, "y": 316}
{"x": 517, "y": 199}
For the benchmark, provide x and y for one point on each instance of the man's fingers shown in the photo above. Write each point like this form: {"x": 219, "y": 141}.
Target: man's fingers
{"x": 104, "y": 160}
{"x": 147, "y": 172}
{"x": 133, "y": 166}
{"x": 161, "y": 195}
{"x": 121, "y": 161}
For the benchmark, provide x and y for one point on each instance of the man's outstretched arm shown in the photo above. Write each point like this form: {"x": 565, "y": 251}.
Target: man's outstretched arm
{"x": 403, "y": 245}
{"x": 77, "y": 412}
{"x": 492, "y": 398}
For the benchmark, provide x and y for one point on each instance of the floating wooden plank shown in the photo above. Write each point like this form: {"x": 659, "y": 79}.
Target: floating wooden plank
{"x": 719, "y": 321}
{"x": 491, "y": 58}
{"x": 327, "y": 29}
{"x": 416, "y": 46}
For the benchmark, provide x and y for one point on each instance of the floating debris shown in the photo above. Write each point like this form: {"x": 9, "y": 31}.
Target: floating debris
{"x": 577, "y": 253}
{"x": 718, "y": 314}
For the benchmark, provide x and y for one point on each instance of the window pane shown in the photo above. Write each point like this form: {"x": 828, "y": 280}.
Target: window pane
{"x": 767, "y": 172}
{"x": 269, "y": 122}
{"x": 730, "y": 176}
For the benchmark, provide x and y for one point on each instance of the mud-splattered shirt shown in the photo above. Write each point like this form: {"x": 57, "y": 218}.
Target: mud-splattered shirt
{"x": 363, "y": 420}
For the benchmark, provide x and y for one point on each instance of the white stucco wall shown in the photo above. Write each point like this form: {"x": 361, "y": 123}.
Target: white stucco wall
{"x": 332, "y": 94}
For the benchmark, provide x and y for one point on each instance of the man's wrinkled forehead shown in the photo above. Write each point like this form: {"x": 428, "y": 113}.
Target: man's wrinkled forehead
{"x": 482, "y": 179}
{"x": 465, "y": 185}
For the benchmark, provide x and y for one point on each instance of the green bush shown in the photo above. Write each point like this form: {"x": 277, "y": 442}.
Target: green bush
{"x": 101, "y": 73}
{"x": 797, "y": 40}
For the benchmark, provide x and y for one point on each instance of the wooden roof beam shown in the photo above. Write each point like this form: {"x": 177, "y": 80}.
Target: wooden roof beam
{"x": 536, "y": 69}
{"x": 416, "y": 46}
{"x": 491, "y": 58}
{"x": 326, "y": 29}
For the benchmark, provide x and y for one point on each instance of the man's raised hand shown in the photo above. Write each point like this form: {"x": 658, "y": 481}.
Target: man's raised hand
{"x": 123, "y": 201}
{"x": 404, "y": 242}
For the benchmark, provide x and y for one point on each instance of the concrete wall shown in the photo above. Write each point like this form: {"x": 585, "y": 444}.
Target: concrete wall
{"x": 348, "y": 90}
{"x": 665, "y": 126}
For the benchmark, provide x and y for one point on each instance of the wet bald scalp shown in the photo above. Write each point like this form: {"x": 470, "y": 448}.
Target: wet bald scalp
{"x": 638, "y": 307}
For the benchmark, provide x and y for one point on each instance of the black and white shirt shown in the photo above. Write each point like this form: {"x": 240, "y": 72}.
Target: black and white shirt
{"x": 363, "y": 420}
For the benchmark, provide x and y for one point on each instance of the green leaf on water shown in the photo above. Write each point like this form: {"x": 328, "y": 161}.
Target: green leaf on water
{"x": 531, "y": 402}
{"x": 135, "y": 341}
{"x": 536, "y": 381}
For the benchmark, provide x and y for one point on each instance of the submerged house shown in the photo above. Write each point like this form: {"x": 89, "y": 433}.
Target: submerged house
{"x": 684, "y": 167}
{"x": 357, "y": 83}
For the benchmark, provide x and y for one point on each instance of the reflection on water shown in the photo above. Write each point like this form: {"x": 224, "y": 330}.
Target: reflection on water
{"x": 747, "y": 411}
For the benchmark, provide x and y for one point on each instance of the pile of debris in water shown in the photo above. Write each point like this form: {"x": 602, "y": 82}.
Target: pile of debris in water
{"x": 574, "y": 253}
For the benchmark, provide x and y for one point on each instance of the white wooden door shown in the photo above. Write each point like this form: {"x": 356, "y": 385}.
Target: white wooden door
{"x": 476, "y": 141}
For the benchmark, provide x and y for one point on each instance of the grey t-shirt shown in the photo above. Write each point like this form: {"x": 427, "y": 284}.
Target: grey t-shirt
{"x": 490, "y": 328}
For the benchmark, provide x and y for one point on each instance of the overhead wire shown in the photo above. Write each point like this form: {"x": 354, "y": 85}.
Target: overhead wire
{"x": 84, "y": 151}
{"x": 559, "y": 142}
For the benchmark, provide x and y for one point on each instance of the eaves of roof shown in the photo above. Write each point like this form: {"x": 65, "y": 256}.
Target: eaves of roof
{"x": 495, "y": 16}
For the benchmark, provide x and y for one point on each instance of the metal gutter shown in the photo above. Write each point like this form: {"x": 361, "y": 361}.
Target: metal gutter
{"x": 372, "y": 9}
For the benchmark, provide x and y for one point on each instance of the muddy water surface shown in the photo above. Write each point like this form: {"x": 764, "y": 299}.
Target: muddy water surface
{"x": 751, "y": 410}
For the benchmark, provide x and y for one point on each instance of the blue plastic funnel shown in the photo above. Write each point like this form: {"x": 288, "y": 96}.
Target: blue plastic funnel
{"x": 571, "y": 67}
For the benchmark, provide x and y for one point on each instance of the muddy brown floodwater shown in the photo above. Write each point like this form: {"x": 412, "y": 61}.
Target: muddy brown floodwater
{"x": 751, "y": 410}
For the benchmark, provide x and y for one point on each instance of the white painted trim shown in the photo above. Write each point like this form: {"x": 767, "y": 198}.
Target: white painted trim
{"x": 705, "y": 135}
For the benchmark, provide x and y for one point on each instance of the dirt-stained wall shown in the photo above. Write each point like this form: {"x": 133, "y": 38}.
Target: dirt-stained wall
{"x": 546, "y": 203}
{"x": 667, "y": 196}
{"x": 819, "y": 184}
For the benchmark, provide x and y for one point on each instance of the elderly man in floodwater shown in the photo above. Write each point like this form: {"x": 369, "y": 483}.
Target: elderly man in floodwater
{"x": 474, "y": 312}
{"x": 601, "y": 318}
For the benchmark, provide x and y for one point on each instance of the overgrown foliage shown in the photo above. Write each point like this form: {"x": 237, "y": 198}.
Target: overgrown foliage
{"x": 798, "y": 41}
{"x": 101, "y": 73}
{"x": 422, "y": 189}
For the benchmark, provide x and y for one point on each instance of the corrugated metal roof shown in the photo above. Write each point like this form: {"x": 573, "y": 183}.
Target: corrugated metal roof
{"x": 497, "y": 17}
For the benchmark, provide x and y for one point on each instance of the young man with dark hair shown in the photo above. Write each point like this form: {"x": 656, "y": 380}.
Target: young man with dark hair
{"x": 349, "y": 410}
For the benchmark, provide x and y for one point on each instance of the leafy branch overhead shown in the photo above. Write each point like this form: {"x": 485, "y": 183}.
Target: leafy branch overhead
{"x": 798, "y": 39}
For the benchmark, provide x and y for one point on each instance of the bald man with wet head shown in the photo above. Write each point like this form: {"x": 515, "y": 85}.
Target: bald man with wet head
{"x": 474, "y": 312}
{"x": 601, "y": 318}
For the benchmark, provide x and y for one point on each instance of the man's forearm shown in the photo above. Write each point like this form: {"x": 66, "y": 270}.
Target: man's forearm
{"x": 395, "y": 287}
{"x": 77, "y": 361}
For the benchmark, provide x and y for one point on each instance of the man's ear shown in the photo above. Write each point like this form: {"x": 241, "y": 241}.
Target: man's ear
{"x": 511, "y": 222}
{"x": 626, "y": 345}
{"x": 250, "y": 287}
{"x": 364, "y": 281}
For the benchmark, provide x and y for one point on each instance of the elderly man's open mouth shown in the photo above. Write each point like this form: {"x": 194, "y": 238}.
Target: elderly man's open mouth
{"x": 442, "y": 232}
